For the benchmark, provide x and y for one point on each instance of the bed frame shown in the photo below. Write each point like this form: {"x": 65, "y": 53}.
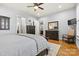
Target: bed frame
{"x": 43, "y": 53}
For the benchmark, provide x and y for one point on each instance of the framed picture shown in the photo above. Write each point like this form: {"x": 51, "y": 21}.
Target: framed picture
{"x": 4, "y": 23}
{"x": 53, "y": 25}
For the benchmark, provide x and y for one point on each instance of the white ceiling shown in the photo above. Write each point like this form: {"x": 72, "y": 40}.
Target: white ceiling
{"x": 49, "y": 8}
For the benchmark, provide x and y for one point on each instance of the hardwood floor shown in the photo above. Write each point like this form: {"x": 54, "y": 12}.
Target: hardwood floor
{"x": 66, "y": 49}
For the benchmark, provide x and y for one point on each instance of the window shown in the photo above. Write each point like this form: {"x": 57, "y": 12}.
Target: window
{"x": 4, "y": 23}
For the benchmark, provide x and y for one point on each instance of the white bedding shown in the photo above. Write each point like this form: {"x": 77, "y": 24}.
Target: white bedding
{"x": 40, "y": 41}
{"x": 15, "y": 45}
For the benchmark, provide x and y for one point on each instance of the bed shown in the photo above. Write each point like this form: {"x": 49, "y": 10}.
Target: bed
{"x": 22, "y": 45}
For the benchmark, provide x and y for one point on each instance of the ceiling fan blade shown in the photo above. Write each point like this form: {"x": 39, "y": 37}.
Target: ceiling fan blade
{"x": 41, "y": 8}
{"x": 30, "y": 6}
{"x": 40, "y": 3}
{"x": 35, "y": 4}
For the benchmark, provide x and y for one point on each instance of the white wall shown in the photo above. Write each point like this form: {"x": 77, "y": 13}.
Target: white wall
{"x": 62, "y": 17}
{"x": 77, "y": 11}
{"x": 8, "y": 13}
{"x": 13, "y": 19}
{"x": 77, "y": 16}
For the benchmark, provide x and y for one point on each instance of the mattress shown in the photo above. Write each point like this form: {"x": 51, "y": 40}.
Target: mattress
{"x": 41, "y": 42}
{"x": 18, "y": 45}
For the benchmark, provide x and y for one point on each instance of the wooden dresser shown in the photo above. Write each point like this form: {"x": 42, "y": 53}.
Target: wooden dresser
{"x": 30, "y": 29}
{"x": 52, "y": 34}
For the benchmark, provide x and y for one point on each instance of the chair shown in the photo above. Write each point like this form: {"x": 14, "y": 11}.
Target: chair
{"x": 70, "y": 36}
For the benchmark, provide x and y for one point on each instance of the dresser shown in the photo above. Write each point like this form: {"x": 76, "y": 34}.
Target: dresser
{"x": 52, "y": 34}
{"x": 30, "y": 29}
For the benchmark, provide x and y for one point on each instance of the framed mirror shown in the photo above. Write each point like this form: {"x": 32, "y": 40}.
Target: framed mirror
{"x": 53, "y": 25}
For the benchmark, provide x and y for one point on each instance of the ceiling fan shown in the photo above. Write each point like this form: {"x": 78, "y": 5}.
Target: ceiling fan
{"x": 36, "y": 6}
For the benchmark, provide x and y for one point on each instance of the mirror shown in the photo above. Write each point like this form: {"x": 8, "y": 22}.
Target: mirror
{"x": 53, "y": 25}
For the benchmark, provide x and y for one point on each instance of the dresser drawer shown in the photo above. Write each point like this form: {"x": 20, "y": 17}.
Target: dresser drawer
{"x": 52, "y": 35}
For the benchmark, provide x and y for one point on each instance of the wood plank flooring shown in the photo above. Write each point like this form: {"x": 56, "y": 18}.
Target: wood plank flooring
{"x": 66, "y": 49}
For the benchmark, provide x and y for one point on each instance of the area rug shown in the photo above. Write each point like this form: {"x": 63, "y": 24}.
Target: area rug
{"x": 53, "y": 49}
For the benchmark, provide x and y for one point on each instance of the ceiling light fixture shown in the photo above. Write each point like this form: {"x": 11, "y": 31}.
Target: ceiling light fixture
{"x": 35, "y": 7}
{"x": 59, "y": 6}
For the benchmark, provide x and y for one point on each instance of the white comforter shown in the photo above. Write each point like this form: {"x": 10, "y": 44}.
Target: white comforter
{"x": 40, "y": 41}
{"x": 15, "y": 45}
